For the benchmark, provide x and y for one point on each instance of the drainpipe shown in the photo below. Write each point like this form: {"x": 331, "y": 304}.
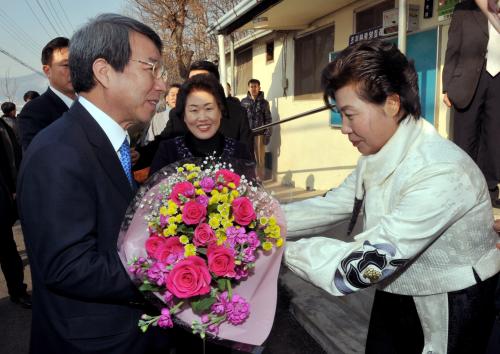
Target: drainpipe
{"x": 403, "y": 13}
{"x": 222, "y": 62}
{"x": 232, "y": 78}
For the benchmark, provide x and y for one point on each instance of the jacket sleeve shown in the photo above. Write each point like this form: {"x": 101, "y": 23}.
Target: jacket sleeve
{"x": 316, "y": 215}
{"x": 30, "y": 122}
{"x": 428, "y": 205}
{"x": 60, "y": 228}
{"x": 453, "y": 47}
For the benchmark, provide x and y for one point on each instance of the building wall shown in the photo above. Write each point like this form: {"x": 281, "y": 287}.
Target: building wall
{"x": 307, "y": 152}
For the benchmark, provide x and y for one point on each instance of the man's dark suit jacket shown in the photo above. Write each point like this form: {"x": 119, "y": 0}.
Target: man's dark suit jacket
{"x": 38, "y": 114}
{"x": 465, "y": 53}
{"x": 72, "y": 197}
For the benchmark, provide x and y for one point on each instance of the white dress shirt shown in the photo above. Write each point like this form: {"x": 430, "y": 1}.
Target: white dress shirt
{"x": 68, "y": 101}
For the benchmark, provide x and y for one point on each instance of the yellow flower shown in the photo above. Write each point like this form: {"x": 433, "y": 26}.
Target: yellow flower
{"x": 263, "y": 220}
{"x": 221, "y": 240}
{"x": 279, "y": 242}
{"x": 196, "y": 184}
{"x": 214, "y": 199}
{"x": 199, "y": 191}
{"x": 178, "y": 218}
{"x": 192, "y": 176}
{"x": 180, "y": 169}
{"x": 235, "y": 194}
{"x": 231, "y": 185}
{"x": 189, "y": 250}
{"x": 184, "y": 239}
{"x": 170, "y": 230}
{"x": 224, "y": 198}
{"x": 272, "y": 221}
{"x": 226, "y": 223}
{"x": 189, "y": 166}
{"x": 163, "y": 210}
{"x": 267, "y": 246}
{"x": 225, "y": 190}
{"x": 172, "y": 220}
{"x": 214, "y": 222}
{"x": 252, "y": 225}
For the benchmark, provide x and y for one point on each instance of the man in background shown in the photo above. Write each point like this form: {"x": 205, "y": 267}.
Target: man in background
{"x": 10, "y": 261}
{"x": 40, "y": 113}
{"x": 30, "y": 95}
{"x": 258, "y": 114}
{"x": 471, "y": 85}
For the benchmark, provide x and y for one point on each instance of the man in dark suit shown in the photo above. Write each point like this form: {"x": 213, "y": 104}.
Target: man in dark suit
{"x": 74, "y": 187}
{"x": 471, "y": 85}
{"x": 45, "y": 109}
{"x": 10, "y": 261}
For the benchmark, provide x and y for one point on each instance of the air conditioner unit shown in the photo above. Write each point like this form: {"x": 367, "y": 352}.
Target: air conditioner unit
{"x": 391, "y": 18}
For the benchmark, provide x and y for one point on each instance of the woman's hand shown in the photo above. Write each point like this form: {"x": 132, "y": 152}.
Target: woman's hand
{"x": 496, "y": 227}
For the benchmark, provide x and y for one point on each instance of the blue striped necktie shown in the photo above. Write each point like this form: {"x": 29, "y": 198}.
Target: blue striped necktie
{"x": 125, "y": 160}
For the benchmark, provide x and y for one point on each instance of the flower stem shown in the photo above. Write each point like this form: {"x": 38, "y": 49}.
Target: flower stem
{"x": 229, "y": 289}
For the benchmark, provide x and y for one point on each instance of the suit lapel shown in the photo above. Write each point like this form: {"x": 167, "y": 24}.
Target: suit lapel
{"x": 103, "y": 150}
{"x": 58, "y": 104}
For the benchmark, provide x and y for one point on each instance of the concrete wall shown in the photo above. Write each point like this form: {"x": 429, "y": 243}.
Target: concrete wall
{"x": 308, "y": 152}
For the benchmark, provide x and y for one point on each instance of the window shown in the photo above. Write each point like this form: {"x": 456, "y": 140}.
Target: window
{"x": 372, "y": 17}
{"x": 311, "y": 56}
{"x": 243, "y": 60}
{"x": 269, "y": 52}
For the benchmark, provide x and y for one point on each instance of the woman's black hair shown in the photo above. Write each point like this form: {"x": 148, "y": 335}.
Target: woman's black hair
{"x": 377, "y": 69}
{"x": 201, "y": 82}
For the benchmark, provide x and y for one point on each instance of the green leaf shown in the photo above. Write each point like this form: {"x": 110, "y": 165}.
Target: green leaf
{"x": 221, "y": 284}
{"x": 202, "y": 305}
{"x": 149, "y": 287}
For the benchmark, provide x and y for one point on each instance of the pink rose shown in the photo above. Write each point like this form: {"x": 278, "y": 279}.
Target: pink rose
{"x": 243, "y": 211}
{"x": 185, "y": 189}
{"x": 207, "y": 184}
{"x": 169, "y": 251}
{"x": 190, "y": 277}
{"x": 152, "y": 244}
{"x": 203, "y": 235}
{"x": 227, "y": 177}
{"x": 221, "y": 261}
{"x": 193, "y": 213}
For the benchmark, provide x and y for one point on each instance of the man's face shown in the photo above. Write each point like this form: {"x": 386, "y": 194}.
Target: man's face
{"x": 135, "y": 92}
{"x": 254, "y": 89}
{"x": 171, "y": 96}
{"x": 57, "y": 71}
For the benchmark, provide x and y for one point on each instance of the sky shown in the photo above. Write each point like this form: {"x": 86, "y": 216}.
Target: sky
{"x": 25, "y": 29}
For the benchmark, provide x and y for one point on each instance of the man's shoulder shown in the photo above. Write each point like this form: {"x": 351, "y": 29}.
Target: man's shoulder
{"x": 46, "y": 103}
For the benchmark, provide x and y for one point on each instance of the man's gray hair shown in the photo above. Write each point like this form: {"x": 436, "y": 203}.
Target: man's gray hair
{"x": 106, "y": 37}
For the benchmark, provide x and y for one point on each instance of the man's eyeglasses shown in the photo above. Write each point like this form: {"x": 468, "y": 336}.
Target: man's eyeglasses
{"x": 158, "y": 70}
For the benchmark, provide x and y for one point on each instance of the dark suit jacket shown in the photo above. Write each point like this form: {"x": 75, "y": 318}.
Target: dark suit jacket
{"x": 465, "y": 53}
{"x": 72, "y": 197}
{"x": 38, "y": 114}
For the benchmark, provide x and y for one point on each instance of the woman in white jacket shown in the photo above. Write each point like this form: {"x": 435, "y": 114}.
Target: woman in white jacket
{"x": 428, "y": 244}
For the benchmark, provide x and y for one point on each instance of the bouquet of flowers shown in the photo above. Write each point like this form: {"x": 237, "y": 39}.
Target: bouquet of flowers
{"x": 207, "y": 242}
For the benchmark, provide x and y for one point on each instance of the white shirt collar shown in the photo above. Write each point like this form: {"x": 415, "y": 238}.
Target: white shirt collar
{"x": 68, "y": 101}
{"x": 115, "y": 133}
